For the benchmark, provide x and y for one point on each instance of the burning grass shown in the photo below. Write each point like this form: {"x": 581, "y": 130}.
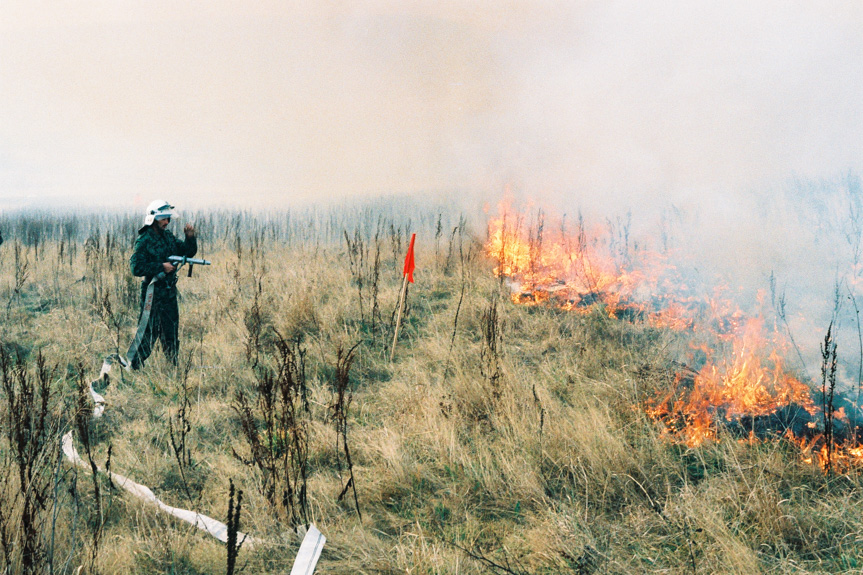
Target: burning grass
{"x": 749, "y": 382}
{"x": 740, "y": 379}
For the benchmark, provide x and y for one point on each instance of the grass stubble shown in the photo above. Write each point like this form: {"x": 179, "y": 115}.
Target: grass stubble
{"x": 503, "y": 439}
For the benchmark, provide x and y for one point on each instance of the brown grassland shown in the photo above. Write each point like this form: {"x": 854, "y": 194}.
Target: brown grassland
{"x": 502, "y": 439}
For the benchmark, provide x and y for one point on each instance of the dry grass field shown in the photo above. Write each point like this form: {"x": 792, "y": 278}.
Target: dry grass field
{"x": 503, "y": 438}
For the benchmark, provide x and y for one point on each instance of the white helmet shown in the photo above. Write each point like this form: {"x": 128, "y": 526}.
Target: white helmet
{"x": 158, "y": 210}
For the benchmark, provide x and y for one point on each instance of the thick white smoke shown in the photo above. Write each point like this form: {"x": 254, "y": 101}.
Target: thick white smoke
{"x": 604, "y": 105}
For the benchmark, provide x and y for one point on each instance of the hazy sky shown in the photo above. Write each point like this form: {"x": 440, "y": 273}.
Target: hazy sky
{"x": 111, "y": 103}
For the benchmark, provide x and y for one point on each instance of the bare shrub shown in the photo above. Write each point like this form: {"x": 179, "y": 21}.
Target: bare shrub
{"x": 490, "y": 352}
{"x": 30, "y": 453}
{"x": 828, "y": 389}
{"x": 275, "y": 425}
{"x": 233, "y": 523}
{"x": 356, "y": 257}
{"x": 22, "y": 273}
{"x": 255, "y": 320}
{"x": 179, "y": 428}
{"x": 342, "y": 396}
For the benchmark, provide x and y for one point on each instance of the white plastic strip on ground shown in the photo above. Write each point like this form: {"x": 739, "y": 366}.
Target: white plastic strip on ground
{"x": 215, "y": 528}
{"x": 310, "y": 552}
{"x": 313, "y": 542}
{"x": 98, "y": 400}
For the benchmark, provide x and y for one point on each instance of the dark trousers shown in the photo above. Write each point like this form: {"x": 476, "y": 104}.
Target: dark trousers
{"x": 163, "y": 326}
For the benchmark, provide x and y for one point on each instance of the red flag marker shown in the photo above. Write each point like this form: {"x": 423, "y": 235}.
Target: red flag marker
{"x": 408, "y": 275}
{"x": 409, "y": 260}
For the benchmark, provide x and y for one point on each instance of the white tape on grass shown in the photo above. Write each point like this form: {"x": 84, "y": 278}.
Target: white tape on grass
{"x": 98, "y": 400}
{"x": 310, "y": 552}
{"x": 313, "y": 542}
{"x": 215, "y": 528}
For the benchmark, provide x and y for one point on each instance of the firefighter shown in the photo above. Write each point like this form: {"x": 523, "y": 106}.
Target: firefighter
{"x": 154, "y": 244}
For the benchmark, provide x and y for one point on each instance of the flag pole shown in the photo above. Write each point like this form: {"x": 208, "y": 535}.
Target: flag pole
{"x": 399, "y": 317}
{"x": 408, "y": 274}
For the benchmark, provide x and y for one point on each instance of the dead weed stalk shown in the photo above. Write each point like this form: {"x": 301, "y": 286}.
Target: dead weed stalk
{"x": 275, "y": 425}
{"x": 30, "y": 454}
{"x": 342, "y": 396}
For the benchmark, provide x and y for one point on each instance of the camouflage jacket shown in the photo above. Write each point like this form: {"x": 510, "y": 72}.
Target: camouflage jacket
{"x": 152, "y": 249}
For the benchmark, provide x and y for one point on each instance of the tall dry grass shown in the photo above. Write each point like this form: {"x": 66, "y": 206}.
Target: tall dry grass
{"x": 503, "y": 439}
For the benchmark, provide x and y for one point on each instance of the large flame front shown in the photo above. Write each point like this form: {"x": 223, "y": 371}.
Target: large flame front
{"x": 577, "y": 272}
{"x": 740, "y": 377}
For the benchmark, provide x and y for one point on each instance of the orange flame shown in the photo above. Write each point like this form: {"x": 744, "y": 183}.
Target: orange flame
{"x": 751, "y": 383}
{"x": 574, "y": 272}
{"x": 580, "y": 272}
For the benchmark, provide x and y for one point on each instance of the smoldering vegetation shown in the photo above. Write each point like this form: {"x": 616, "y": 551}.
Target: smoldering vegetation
{"x": 504, "y": 438}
